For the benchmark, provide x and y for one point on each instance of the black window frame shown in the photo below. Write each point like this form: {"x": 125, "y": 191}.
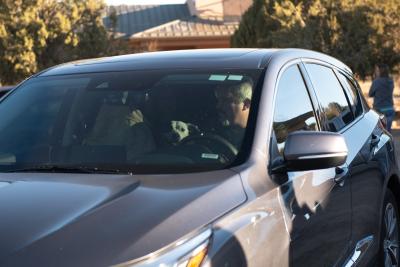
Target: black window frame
{"x": 364, "y": 102}
{"x": 273, "y": 148}
{"x": 347, "y": 93}
{"x": 323, "y": 117}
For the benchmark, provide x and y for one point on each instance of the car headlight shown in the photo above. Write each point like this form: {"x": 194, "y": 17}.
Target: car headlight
{"x": 188, "y": 252}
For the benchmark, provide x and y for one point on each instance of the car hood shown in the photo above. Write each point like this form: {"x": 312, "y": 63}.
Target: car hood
{"x": 52, "y": 219}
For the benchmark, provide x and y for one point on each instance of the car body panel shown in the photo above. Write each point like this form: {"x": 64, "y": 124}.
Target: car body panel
{"x": 370, "y": 170}
{"x": 259, "y": 224}
{"x": 113, "y": 227}
{"x": 232, "y": 59}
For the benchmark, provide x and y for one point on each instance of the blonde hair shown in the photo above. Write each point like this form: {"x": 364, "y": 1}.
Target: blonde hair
{"x": 242, "y": 91}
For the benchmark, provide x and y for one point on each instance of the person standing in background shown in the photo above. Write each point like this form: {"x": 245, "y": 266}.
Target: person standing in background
{"x": 382, "y": 92}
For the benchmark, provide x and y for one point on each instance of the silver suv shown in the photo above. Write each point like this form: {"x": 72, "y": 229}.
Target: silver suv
{"x": 233, "y": 157}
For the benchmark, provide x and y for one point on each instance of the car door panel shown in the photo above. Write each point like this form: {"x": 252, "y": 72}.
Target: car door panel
{"x": 367, "y": 160}
{"x": 368, "y": 172}
{"x": 321, "y": 217}
{"x": 319, "y": 208}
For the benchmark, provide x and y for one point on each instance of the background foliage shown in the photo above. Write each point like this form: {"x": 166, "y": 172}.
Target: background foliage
{"x": 36, "y": 34}
{"x": 358, "y": 32}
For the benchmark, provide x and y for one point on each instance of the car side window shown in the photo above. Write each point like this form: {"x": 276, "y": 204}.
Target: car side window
{"x": 293, "y": 109}
{"x": 331, "y": 97}
{"x": 352, "y": 92}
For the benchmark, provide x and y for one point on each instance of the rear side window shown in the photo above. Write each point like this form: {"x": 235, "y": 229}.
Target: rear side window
{"x": 331, "y": 97}
{"x": 293, "y": 109}
{"x": 352, "y": 92}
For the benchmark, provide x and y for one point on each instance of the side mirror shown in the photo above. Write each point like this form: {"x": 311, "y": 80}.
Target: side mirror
{"x": 311, "y": 150}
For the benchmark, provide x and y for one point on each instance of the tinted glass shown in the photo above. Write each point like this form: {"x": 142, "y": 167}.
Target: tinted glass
{"x": 293, "y": 109}
{"x": 4, "y": 90}
{"x": 143, "y": 121}
{"x": 353, "y": 95}
{"x": 2, "y": 93}
{"x": 331, "y": 97}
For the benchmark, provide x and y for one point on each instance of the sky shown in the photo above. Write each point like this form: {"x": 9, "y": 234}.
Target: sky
{"x": 143, "y": 2}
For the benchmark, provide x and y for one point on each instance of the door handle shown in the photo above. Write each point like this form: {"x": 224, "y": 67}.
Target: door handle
{"x": 374, "y": 140}
{"x": 340, "y": 175}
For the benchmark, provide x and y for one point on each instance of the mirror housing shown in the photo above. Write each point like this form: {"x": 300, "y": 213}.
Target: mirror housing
{"x": 311, "y": 150}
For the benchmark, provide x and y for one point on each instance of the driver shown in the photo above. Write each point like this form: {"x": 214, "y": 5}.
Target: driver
{"x": 233, "y": 106}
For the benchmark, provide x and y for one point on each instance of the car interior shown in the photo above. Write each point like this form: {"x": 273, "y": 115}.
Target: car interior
{"x": 89, "y": 125}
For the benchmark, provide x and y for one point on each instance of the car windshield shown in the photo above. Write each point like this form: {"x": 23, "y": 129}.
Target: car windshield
{"x": 134, "y": 121}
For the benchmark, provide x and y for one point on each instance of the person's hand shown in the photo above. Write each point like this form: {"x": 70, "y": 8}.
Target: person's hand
{"x": 134, "y": 118}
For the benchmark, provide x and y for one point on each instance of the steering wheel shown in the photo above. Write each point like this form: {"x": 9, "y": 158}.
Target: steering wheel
{"x": 215, "y": 143}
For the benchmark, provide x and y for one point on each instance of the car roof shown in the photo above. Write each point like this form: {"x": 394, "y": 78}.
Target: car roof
{"x": 230, "y": 58}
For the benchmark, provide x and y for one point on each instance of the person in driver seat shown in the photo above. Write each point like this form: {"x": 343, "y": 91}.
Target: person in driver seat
{"x": 233, "y": 106}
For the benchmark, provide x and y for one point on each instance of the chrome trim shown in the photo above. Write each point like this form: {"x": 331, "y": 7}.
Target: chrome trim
{"x": 172, "y": 254}
{"x": 343, "y": 68}
{"x": 340, "y": 154}
{"x": 361, "y": 247}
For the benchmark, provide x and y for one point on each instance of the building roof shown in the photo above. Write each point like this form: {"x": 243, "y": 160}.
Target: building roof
{"x": 190, "y": 27}
{"x": 132, "y": 19}
{"x": 166, "y": 21}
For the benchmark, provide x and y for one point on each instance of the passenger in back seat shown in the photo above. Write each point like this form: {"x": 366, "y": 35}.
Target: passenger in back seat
{"x": 117, "y": 125}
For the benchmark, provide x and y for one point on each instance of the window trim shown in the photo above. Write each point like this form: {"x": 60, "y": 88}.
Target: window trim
{"x": 310, "y": 91}
{"x": 338, "y": 72}
{"x": 319, "y": 114}
{"x": 311, "y": 94}
{"x": 333, "y": 68}
{"x": 364, "y": 104}
{"x": 345, "y": 90}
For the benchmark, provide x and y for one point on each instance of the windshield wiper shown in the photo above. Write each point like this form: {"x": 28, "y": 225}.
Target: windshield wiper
{"x": 67, "y": 169}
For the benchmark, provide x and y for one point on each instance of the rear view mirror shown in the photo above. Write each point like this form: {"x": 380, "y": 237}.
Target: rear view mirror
{"x": 311, "y": 150}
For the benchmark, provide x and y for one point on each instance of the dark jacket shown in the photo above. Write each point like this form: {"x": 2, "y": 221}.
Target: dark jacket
{"x": 382, "y": 92}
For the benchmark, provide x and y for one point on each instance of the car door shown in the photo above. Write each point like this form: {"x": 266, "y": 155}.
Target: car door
{"x": 369, "y": 165}
{"x": 365, "y": 160}
{"x": 317, "y": 202}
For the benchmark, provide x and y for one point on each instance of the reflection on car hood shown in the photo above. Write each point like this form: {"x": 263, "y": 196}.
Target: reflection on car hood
{"x": 100, "y": 220}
